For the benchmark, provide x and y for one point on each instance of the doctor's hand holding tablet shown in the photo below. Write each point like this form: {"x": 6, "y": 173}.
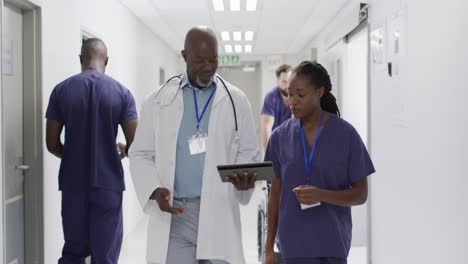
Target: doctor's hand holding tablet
{"x": 243, "y": 176}
{"x": 242, "y": 181}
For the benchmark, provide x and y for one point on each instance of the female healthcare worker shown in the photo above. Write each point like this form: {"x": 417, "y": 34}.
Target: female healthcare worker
{"x": 321, "y": 166}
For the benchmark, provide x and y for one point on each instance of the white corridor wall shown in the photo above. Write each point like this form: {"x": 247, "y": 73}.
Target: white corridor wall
{"x": 418, "y": 134}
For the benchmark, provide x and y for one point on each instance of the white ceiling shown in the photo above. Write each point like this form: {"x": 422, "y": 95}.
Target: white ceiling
{"x": 280, "y": 26}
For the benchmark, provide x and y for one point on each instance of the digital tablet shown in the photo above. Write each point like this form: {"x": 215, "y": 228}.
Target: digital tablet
{"x": 264, "y": 170}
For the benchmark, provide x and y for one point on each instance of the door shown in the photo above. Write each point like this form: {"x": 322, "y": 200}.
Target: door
{"x": 249, "y": 82}
{"x": 355, "y": 110}
{"x": 14, "y": 169}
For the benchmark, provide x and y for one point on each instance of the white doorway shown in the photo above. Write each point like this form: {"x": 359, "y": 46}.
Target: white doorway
{"x": 347, "y": 63}
{"x": 354, "y": 99}
{"x": 21, "y": 134}
{"x": 355, "y": 110}
{"x": 13, "y": 199}
{"x": 247, "y": 78}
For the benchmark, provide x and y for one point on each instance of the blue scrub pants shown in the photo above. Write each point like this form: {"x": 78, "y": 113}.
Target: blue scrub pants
{"x": 92, "y": 226}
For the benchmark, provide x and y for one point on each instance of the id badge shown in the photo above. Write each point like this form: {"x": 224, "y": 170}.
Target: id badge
{"x": 307, "y": 206}
{"x": 197, "y": 144}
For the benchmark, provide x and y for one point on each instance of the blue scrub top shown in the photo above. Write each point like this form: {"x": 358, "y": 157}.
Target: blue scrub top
{"x": 91, "y": 105}
{"x": 274, "y": 106}
{"x": 340, "y": 160}
{"x": 189, "y": 168}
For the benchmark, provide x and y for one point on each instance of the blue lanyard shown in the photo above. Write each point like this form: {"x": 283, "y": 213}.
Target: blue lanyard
{"x": 308, "y": 162}
{"x": 200, "y": 117}
{"x": 91, "y": 69}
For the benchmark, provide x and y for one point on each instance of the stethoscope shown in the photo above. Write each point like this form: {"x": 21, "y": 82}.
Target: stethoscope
{"x": 225, "y": 87}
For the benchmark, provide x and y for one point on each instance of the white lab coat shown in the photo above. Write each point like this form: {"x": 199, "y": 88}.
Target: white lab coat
{"x": 152, "y": 164}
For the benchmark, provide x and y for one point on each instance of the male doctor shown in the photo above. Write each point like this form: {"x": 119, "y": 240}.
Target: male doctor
{"x": 190, "y": 125}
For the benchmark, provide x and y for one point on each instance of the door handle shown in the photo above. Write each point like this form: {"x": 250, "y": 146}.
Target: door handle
{"x": 23, "y": 167}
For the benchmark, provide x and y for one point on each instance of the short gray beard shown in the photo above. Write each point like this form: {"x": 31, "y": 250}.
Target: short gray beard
{"x": 201, "y": 84}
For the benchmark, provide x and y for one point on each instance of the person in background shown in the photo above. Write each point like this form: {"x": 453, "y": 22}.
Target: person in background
{"x": 276, "y": 105}
{"x": 275, "y": 111}
{"x": 90, "y": 106}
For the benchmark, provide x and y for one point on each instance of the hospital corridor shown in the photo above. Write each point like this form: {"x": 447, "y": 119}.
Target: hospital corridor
{"x": 233, "y": 132}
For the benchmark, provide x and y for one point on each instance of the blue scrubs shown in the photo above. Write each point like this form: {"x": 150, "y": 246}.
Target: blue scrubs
{"x": 274, "y": 106}
{"x": 92, "y": 226}
{"x": 91, "y": 105}
{"x": 320, "y": 234}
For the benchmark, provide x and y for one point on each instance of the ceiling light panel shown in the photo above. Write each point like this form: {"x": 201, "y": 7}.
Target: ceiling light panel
{"x": 251, "y": 5}
{"x": 234, "y": 5}
{"x": 237, "y": 35}
{"x": 218, "y": 5}
{"x": 228, "y": 48}
{"x": 249, "y": 35}
{"x": 225, "y": 36}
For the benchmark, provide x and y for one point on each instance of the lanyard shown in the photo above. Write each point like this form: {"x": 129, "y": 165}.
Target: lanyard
{"x": 91, "y": 69}
{"x": 200, "y": 117}
{"x": 308, "y": 161}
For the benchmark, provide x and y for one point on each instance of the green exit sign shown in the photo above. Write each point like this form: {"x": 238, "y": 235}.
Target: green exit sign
{"x": 229, "y": 60}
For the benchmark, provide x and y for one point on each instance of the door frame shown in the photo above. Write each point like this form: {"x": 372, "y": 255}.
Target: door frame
{"x": 364, "y": 27}
{"x": 33, "y": 132}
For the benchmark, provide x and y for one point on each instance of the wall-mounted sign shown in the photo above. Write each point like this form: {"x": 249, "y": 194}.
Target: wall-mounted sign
{"x": 274, "y": 62}
{"x": 8, "y": 57}
{"x": 229, "y": 60}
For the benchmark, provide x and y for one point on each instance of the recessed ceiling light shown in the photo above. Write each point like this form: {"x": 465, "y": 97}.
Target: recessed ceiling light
{"x": 248, "y": 48}
{"x": 228, "y": 48}
{"x": 225, "y": 36}
{"x": 251, "y": 5}
{"x": 237, "y": 35}
{"x": 249, "y": 35}
{"x": 218, "y": 5}
{"x": 234, "y": 5}
{"x": 238, "y": 48}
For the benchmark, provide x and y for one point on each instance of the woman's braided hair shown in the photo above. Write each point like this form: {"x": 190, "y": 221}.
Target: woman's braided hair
{"x": 319, "y": 77}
